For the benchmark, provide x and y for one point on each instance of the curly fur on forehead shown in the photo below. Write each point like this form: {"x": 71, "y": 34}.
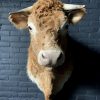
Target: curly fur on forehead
{"x": 50, "y": 4}
{"x": 48, "y": 14}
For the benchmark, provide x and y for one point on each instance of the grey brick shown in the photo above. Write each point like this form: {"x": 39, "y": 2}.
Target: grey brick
{"x": 86, "y": 29}
{"x": 39, "y": 95}
{"x": 73, "y": 29}
{"x": 23, "y": 61}
{"x": 93, "y": 1}
{"x": 4, "y": 61}
{"x": 3, "y": 98}
{"x": 14, "y": 50}
{"x": 28, "y": 0}
{"x": 3, "y": 77}
{"x": 19, "y": 33}
{"x": 84, "y": 23}
{"x": 9, "y": 4}
{"x": 15, "y": 33}
{"x": 23, "y": 73}
{"x": 17, "y": 67}
{"x": 0, "y": 25}
{"x": 93, "y": 5}
{"x": 92, "y": 92}
{"x": 4, "y": 33}
{"x": 33, "y": 89}
{"x": 9, "y": 1}
{"x": 8, "y": 9}
{"x": 10, "y": 38}
{"x": 24, "y": 50}
{"x": 93, "y": 11}
{"x": 7, "y": 83}
{"x": 9, "y": 72}
{"x": 4, "y": 66}
{"x": 10, "y": 60}
{"x": 4, "y": 15}
{"x": 72, "y": 97}
{"x": 4, "y": 44}
{"x": 20, "y": 98}
{"x": 26, "y": 94}
{"x": 4, "y": 21}
{"x": 24, "y": 39}
{"x": 7, "y": 94}
{"x": 86, "y": 98}
{"x": 80, "y": 91}
{"x": 7, "y": 27}
{"x": 39, "y": 98}
{"x": 26, "y": 84}
{"x": 96, "y": 23}
{"x": 25, "y": 32}
{"x": 18, "y": 78}
{"x": 13, "y": 89}
{"x": 26, "y": 4}
{"x": 79, "y": 1}
{"x": 13, "y": 61}
{"x": 9, "y": 49}
{"x": 91, "y": 17}
{"x": 19, "y": 45}
{"x": 98, "y": 97}
{"x": 18, "y": 55}
{"x": 4, "y": 55}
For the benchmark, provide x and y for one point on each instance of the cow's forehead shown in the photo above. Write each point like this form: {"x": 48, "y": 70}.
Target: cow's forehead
{"x": 43, "y": 8}
{"x": 47, "y": 17}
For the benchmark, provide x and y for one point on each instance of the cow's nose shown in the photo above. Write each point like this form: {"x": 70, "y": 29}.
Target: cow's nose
{"x": 50, "y": 57}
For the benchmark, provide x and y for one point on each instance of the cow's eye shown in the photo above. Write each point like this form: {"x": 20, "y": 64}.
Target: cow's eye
{"x": 29, "y": 28}
{"x": 32, "y": 28}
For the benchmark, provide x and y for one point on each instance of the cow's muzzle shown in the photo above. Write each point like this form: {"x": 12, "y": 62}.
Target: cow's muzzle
{"x": 51, "y": 58}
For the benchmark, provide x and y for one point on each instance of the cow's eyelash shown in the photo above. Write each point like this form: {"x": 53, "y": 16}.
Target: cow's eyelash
{"x": 29, "y": 28}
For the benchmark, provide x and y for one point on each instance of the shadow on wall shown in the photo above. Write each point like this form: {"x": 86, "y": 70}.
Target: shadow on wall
{"x": 85, "y": 77}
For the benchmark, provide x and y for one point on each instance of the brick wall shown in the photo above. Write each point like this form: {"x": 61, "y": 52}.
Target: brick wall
{"x": 88, "y": 30}
{"x": 14, "y": 83}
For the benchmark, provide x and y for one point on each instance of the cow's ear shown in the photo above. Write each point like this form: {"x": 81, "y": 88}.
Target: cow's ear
{"x": 74, "y": 16}
{"x": 19, "y": 19}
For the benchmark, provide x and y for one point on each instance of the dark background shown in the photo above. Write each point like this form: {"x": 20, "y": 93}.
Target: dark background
{"x": 85, "y": 46}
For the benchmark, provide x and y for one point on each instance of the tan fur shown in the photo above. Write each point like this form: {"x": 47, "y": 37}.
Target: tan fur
{"x": 48, "y": 17}
{"x": 50, "y": 80}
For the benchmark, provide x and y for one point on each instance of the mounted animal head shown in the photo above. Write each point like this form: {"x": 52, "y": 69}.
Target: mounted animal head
{"x": 46, "y": 21}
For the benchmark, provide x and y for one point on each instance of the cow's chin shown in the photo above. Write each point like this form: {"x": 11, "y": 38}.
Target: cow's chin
{"x": 59, "y": 64}
{"x": 55, "y": 66}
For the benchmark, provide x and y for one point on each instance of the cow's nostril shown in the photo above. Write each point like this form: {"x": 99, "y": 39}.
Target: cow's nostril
{"x": 43, "y": 59}
{"x": 44, "y": 56}
{"x": 60, "y": 57}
